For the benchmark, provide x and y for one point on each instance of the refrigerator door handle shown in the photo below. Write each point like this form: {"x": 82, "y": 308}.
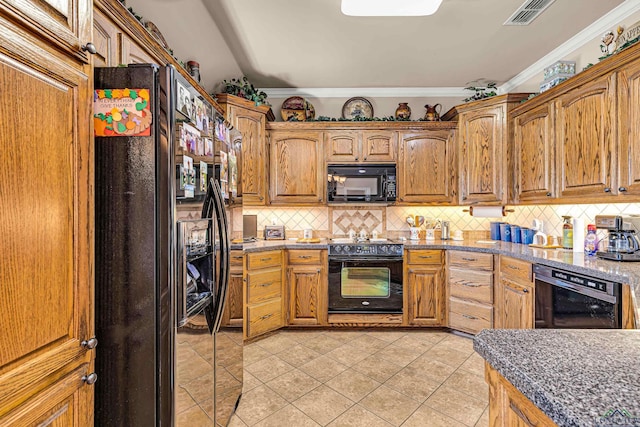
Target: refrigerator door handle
{"x": 223, "y": 272}
{"x": 181, "y": 315}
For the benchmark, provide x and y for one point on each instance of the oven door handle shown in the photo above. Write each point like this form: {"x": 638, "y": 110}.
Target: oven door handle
{"x": 588, "y": 292}
{"x": 361, "y": 258}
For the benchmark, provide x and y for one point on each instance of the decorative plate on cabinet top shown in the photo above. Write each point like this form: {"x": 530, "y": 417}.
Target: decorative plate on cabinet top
{"x": 357, "y": 107}
{"x": 297, "y": 109}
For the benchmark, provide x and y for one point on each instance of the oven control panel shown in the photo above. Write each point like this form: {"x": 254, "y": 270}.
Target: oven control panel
{"x": 391, "y": 249}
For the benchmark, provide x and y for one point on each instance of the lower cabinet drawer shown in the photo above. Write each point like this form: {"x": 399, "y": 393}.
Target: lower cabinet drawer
{"x": 471, "y": 260}
{"x": 468, "y": 316}
{"x": 264, "y": 317}
{"x": 305, "y": 256}
{"x": 424, "y": 256}
{"x": 471, "y": 284}
{"x": 263, "y": 285}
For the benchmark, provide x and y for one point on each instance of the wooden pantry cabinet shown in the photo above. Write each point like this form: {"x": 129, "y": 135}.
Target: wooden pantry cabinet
{"x": 424, "y": 290}
{"x": 307, "y": 286}
{"x": 470, "y": 291}
{"x": 427, "y": 171}
{"x": 360, "y": 146}
{"x": 514, "y": 308}
{"x": 46, "y": 268}
{"x": 263, "y": 295}
{"x": 297, "y": 168}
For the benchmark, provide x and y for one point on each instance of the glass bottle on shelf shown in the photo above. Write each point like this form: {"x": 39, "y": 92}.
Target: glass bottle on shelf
{"x": 567, "y": 232}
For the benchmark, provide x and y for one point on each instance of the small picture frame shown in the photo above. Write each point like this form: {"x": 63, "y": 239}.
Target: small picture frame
{"x": 274, "y": 232}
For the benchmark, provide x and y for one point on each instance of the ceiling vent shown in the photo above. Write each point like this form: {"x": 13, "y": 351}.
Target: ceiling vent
{"x": 529, "y": 11}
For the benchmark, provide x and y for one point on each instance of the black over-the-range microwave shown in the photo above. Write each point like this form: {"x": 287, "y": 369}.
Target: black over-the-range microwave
{"x": 361, "y": 183}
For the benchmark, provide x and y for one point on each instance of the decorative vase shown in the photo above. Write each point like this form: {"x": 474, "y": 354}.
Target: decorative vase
{"x": 433, "y": 113}
{"x": 403, "y": 112}
{"x": 194, "y": 69}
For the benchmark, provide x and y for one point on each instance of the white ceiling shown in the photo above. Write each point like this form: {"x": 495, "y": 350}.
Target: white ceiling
{"x": 310, "y": 44}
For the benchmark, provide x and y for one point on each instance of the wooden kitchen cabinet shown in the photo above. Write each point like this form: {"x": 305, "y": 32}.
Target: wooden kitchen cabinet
{"x": 514, "y": 295}
{"x": 427, "y": 171}
{"x": 263, "y": 293}
{"x": 297, "y": 171}
{"x": 307, "y": 285}
{"x": 629, "y": 133}
{"x": 233, "y": 311}
{"x": 360, "y": 146}
{"x": 250, "y": 120}
{"x": 586, "y": 133}
{"x": 470, "y": 291}
{"x": 508, "y": 407}
{"x": 47, "y": 262}
{"x": 534, "y": 177}
{"x": 424, "y": 296}
{"x": 484, "y": 132}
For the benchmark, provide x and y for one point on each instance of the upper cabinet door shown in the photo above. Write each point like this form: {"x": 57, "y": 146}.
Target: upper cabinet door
{"x": 483, "y": 163}
{"x": 297, "y": 167}
{"x": 65, "y": 24}
{"x": 426, "y": 167}
{"x": 629, "y": 114}
{"x": 379, "y": 146}
{"x": 533, "y": 152}
{"x": 46, "y": 223}
{"x": 254, "y": 177}
{"x": 342, "y": 146}
{"x": 586, "y": 134}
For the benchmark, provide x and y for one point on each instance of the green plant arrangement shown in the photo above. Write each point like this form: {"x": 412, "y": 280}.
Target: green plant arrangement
{"x": 482, "y": 92}
{"x": 244, "y": 89}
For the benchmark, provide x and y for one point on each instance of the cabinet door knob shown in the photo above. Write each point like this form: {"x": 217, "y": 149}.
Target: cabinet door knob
{"x": 365, "y": 158}
{"x": 89, "y": 47}
{"x": 90, "y": 379}
{"x": 525, "y": 290}
{"x": 356, "y": 159}
{"x": 90, "y": 344}
{"x": 622, "y": 189}
{"x": 549, "y": 194}
{"x": 607, "y": 190}
{"x": 261, "y": 198}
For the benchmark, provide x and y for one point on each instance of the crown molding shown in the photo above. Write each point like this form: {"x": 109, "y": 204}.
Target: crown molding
{"x": 594, "y": 30}
{"x": 374, "y": 92}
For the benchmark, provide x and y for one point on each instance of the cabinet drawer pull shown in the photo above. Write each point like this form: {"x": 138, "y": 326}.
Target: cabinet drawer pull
{"x": 304, "y": 256}
{"x": 470, "y": 317}
{"x": 522, "y": 416}
{"x": 266, "y": 316}
{"x": 513, "y": 267}
{"x": 425, "y": 256}
{"x": 469, "y": 259}
{"x": 237, "y": 256}
{"x": 471, "y": 285}
{"x": 265, "y": 259}
{"x": 264, "y": 285}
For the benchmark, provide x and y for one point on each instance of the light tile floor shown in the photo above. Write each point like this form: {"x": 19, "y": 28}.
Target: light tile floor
{"x": 365, "y": 378}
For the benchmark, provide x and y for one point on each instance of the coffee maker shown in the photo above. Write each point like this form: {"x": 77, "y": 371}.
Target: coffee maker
{"x": 622, "y": 244}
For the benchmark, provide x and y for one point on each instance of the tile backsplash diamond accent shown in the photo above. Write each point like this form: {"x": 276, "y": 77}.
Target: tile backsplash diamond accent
{"x": 327, "y": 221}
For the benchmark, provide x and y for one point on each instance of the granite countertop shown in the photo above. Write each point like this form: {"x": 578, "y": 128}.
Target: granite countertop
{"x": 623, "y": 272}
{"x": 574, "y": 376}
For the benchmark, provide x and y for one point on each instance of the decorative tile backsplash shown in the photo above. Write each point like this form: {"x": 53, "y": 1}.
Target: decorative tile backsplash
{"x": 329, "y": 221}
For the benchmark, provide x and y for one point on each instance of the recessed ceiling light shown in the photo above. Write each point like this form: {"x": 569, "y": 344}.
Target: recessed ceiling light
{"x": 390, "y": 7}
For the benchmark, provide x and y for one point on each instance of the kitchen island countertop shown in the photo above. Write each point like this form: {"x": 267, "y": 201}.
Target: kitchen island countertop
{"x": 576, "y": 377}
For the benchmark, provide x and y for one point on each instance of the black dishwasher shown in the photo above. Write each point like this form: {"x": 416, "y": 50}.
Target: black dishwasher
{"x": 566, "y": 300}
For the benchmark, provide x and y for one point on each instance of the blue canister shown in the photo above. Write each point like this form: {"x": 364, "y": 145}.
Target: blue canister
{"x": 526, "y": 235}
{"x": 515, "y": 234}
{"x": 505, "y": 232}
{"x": 495, "y": 230}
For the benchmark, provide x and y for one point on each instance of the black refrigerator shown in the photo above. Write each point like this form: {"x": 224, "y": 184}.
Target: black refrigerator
{"x": 165, "y": 174}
